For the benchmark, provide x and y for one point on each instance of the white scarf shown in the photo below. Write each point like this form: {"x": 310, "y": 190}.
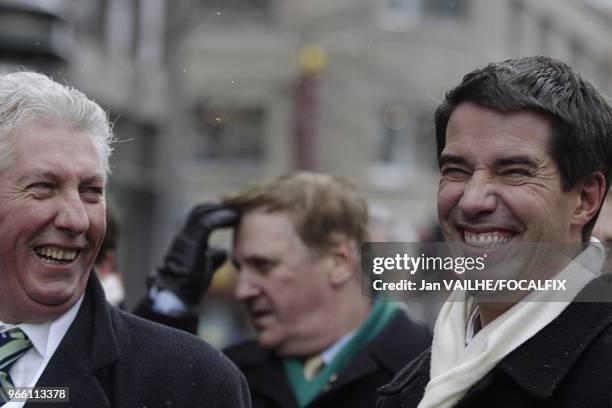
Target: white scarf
{"x": 455, "y": 367}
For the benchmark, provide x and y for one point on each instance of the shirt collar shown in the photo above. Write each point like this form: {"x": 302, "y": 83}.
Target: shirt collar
{"x": 329, "y": 353}
{"x": 45, "y": 337}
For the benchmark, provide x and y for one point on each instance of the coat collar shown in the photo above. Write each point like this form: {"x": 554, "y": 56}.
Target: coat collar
{"x": 82, "y": 360}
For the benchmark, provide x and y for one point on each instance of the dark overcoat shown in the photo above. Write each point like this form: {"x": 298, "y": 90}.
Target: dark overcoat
{"x": 399, "y": 342}
{"x": 109, "y": 358}
{"x": 566, "y": 364}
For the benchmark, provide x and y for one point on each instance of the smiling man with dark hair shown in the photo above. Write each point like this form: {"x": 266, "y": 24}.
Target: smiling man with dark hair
{"x": 525, "y": 153}
{"x": 320, "y": 342}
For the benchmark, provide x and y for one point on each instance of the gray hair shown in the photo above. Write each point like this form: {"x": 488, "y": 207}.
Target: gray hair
{"x": 28, "y": 97}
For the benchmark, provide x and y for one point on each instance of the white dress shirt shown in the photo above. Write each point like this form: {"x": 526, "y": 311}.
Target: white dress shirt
{"x": 45, "y": 338}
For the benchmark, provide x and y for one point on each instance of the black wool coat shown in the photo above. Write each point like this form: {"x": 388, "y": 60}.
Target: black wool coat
{"x": 567, "y": 364}
{"x": 109, "y": 358}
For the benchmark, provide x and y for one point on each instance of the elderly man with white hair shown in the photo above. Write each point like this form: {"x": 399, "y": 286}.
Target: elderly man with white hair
{"x": 56, "y": 329}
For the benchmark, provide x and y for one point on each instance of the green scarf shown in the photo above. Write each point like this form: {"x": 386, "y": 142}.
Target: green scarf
{"x": 306, "y": 391}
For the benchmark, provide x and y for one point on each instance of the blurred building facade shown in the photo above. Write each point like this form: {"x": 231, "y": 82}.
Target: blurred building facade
{"x": 210, "y": 95}
{"x": 349, "y": 87}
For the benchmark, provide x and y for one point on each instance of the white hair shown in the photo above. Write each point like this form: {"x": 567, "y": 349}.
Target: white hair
{"x": 29, "y": 97}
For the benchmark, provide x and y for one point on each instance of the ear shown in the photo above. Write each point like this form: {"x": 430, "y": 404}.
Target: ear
{"x": 591, "y": 196}
{"x": 342, "y": 258}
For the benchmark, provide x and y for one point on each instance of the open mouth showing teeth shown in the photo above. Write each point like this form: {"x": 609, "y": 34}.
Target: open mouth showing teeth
{"x": 487, "y": 239}
{"x": 56, "y": 255}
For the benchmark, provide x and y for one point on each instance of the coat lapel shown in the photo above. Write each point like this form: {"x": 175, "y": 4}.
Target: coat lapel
{"x": 263, "y": 368}
{"x": 390, "y": 350}
{"x": 83, "y": 358}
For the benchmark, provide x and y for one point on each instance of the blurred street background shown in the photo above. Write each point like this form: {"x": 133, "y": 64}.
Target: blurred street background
{"x": 207, "y": 96}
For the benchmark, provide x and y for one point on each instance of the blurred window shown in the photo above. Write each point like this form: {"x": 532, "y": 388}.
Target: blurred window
{"x": 399, "y": 15}
{"x": 227, "y": 131}
{"x": 446, "y": 8}
{"x": 406, "y": 139}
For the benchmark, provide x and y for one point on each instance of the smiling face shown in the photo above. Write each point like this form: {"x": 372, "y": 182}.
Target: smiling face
{"x": 499, "y": 185}
{"x": 52, "y": 221}
{"x": 286, "y": 290}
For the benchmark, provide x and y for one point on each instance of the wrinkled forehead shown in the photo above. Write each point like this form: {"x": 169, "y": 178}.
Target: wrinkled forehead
{"x": 48, "y": 130}
{"x": 57, "y": 150}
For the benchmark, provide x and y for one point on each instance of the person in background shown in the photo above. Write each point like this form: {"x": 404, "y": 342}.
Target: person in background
{"x": 320, "y": 341}
{"x": 106, "y": 261}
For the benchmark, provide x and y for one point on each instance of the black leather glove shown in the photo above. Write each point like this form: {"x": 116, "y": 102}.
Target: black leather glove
{"x": 189, "y": 264}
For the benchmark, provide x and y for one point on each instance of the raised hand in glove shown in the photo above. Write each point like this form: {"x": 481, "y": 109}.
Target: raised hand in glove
{"x": 189, "y": 264}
